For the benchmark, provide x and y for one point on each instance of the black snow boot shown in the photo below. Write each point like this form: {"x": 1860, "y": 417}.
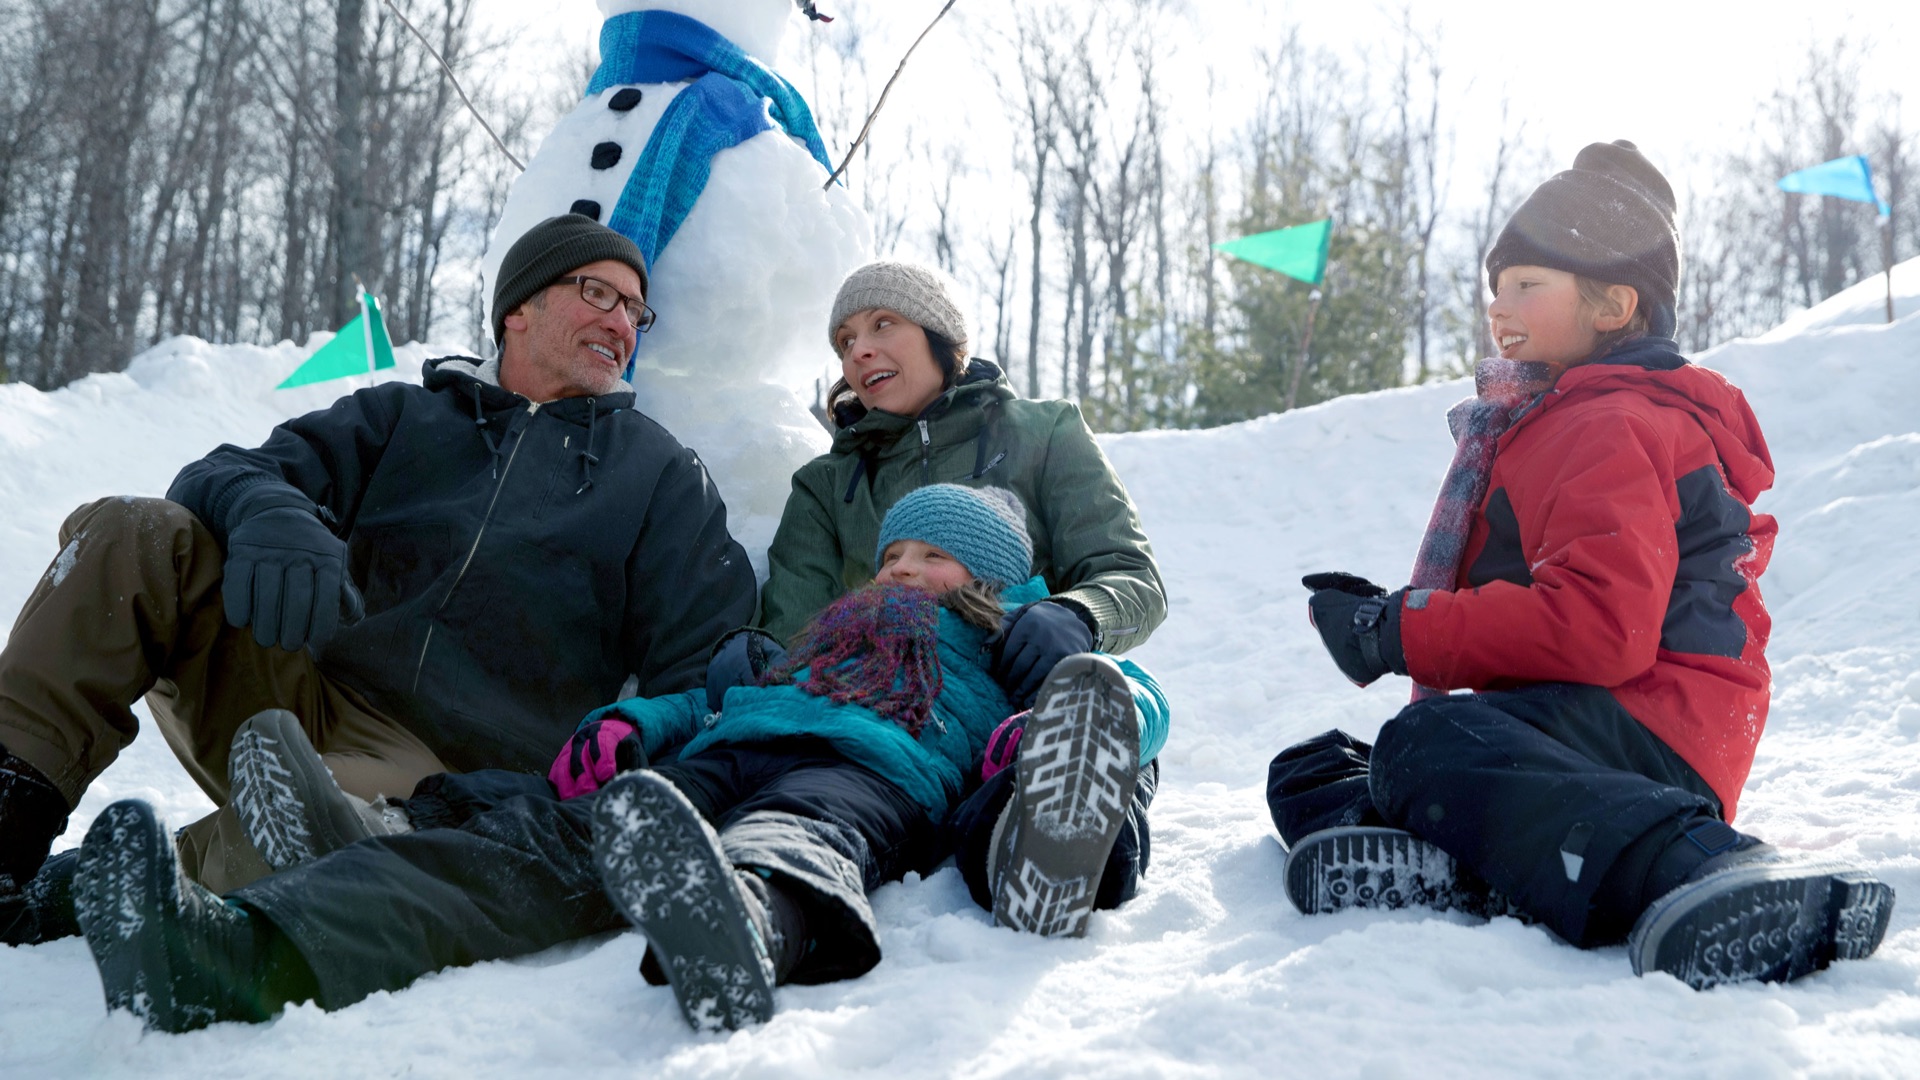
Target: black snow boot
{"x": 662, "y": 865}
{"x": 43, "y": 911}
{"x": 1756, "y": 914}
{"x": 169, "y": 951}
{"x": 1078, "y": 763}
{"x": 32, "y": 813}
{"x": 1378, "y": 868}
{"x": 287, "y": 800}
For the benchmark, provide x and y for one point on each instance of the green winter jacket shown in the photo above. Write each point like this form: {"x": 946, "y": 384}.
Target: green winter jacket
{"x": 1087, "y": 541}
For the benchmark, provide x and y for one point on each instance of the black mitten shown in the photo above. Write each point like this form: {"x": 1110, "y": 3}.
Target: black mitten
{"x": 1359, "y": 622}
{"x": 739, "y": 659}
{"x": 1032, "y": 639}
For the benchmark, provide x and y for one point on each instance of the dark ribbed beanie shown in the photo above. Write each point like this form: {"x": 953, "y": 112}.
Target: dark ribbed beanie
{"x": 1609, "y": 218}
{"x": 550, "y": 249}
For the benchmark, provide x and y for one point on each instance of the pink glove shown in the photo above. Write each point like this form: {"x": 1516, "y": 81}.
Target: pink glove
{"x": 1004, "y": 744}
{"x": 599, "y": 751}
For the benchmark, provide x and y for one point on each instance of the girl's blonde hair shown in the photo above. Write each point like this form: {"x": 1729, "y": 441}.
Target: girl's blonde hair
{"x": 977, "y": 603}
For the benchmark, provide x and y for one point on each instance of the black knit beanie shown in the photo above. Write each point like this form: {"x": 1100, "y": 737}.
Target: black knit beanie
{"x": 550, "y": 249}
{"x": 1609, "y": 218}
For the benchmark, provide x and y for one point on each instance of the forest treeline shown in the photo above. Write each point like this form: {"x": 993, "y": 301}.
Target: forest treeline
{"x": 229, "y": 168}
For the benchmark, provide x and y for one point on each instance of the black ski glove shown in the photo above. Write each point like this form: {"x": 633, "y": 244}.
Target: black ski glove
{"x": 739, "y": 659}
{"x": 1359, "y": 622}
{"x": 1031, "y": 640}
{"x": 286, "y": 573}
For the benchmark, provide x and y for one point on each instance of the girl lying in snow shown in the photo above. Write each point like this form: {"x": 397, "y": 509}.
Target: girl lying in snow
{"x": 824, "y": 781}
{"x": 1591, "y": 575}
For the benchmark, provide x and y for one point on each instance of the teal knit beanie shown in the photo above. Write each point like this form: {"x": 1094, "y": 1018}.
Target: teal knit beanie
{"x": 985, "y": 528}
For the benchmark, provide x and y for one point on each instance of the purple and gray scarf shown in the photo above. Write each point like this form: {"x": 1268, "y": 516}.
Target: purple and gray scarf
{"x": 1502, "y": 390}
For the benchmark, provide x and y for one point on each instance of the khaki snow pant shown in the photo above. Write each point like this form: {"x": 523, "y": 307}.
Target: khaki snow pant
{"x": 131, "y": 606}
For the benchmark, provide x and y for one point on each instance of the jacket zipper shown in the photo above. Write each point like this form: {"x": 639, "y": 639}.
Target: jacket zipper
{"x": 926, "y": 454}
{"x": 485, "y": 520}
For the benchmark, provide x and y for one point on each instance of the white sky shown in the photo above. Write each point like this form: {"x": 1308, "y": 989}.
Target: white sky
{"x": 1680, "y": 77}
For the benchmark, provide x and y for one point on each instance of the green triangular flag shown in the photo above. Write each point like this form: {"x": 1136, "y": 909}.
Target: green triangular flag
{"x": 377, "y": 342}
{"x": 1299, "y": 251}
{"x": 360, "y": 346}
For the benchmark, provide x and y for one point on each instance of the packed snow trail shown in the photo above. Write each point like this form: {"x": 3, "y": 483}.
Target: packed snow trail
{"x": 1209, "y": 972}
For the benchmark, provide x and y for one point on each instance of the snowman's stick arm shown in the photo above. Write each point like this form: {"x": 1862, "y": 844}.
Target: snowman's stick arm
{"x": 444, "y": 66}
{"x": 878, "y": 105}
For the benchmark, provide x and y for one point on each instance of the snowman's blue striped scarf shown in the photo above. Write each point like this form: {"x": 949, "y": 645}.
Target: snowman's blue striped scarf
{"x": 721, "y": 109}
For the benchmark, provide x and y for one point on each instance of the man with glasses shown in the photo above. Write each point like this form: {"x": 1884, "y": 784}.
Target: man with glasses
{"x": 429, "y": 578}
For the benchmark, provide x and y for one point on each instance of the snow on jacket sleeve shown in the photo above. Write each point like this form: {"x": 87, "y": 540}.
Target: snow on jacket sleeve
{"x": 1096, "y": 538}
{"x": 688, "y": 581}
{"x": 804, "y": 563}
{"x": 1601, "y": 548}
{"x": 327, "y": 455}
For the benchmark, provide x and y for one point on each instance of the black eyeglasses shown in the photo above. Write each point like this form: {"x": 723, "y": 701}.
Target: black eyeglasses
{"x": 606, "y": 298}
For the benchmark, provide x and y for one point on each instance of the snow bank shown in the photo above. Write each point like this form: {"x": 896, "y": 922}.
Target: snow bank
{"x": 1210, "y": 972}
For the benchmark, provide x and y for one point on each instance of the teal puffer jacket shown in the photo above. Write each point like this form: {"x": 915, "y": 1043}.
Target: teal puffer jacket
{"x": 931, "y": 769}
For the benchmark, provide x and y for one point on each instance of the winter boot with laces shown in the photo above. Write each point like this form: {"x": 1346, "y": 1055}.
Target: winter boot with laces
{"x": 287, "y": 800}
{"x": 710, "y": 928}
{"x": 1078, "y": 762}
{"x": 169, "y": 951}
{"x": 1756, "y": 914}
{"x": 1373, "y": 867}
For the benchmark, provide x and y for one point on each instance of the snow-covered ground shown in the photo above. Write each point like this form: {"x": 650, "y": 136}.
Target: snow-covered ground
{"x": 1209, "y": 972}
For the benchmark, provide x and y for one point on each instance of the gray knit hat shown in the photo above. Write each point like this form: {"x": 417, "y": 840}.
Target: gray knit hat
{"x": 985, "y": 528}
{"x": 1609, "y": 218}
{"x": 921, "y": 293}
{"x": 550, "y": 249}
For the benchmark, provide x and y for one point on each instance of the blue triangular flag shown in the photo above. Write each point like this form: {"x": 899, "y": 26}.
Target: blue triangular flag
{"x": 1842, "y": 178}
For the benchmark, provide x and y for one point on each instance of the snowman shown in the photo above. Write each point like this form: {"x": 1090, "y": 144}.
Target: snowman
{"x": 743, "y": 268}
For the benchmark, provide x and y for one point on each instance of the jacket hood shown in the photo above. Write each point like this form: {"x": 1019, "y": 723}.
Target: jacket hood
{"x": 463, "y": 373}
{"x": 863, "y": 429}
{"x": 1654, "y": 368}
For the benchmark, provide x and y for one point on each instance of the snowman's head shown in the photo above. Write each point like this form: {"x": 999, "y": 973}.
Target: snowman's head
{"x": 756, "y": 26}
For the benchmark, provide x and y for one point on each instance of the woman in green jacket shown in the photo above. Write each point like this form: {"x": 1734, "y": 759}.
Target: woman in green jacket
{"x": 912, "y": 409}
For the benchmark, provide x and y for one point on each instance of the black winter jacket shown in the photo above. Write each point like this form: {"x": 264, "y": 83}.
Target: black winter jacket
{"x": 519, "y": 561}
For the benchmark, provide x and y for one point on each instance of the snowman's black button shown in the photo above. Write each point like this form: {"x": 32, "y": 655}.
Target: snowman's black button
{"x": 625, "y": 99}
{"x": 606, "y": 155}
{"x": 587, "y": 207}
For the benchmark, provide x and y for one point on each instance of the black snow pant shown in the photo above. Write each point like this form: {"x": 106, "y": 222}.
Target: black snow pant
{"x": 1553, "y": 794}
{"x": 968, "y": 834}
{"x": 497, "y": 866}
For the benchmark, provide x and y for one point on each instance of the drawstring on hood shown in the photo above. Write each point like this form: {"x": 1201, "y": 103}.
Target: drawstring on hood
{"x": 480, "y": 421}
{"x": 587, "y": 460}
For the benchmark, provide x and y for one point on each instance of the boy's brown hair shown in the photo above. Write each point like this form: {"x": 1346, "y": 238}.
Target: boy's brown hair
{"x": 1594, "y": 298}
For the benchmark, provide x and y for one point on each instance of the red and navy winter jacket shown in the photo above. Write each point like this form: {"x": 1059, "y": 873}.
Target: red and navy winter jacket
{"x": 1617, "y": 547}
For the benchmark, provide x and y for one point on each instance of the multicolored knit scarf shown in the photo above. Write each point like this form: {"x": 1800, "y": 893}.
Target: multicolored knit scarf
{"x": 1501, "y": 389}
{"x": 879, "y": 647}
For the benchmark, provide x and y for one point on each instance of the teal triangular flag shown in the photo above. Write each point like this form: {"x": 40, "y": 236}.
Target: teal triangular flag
{"x": 377, "y": 343}
{"x": 1842, "y": 178}
{"x": 360, "y": 346}
{"x": 1299, "y": 251}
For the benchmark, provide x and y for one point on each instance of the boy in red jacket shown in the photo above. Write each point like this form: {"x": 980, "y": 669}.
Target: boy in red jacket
{"x": 1591, "y": 576}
